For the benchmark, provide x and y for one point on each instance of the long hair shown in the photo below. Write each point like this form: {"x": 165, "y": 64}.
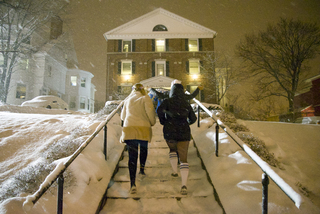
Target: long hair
{"x": 139, "y": 87}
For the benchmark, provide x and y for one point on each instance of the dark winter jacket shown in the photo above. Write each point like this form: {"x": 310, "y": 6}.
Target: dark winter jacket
{"x": 176, "y": 114}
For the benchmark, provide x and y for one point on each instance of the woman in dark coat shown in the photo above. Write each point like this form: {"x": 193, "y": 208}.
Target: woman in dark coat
{"x": 176, "y": 114}
{"x": 160, "y": 96}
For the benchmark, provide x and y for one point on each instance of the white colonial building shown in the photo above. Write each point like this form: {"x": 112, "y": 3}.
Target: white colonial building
{"x": 52, "y": 71}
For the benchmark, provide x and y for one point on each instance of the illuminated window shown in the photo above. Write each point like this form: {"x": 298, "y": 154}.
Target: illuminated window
{"x": 24, "y": 63}
{"x": 21, "y": 91}
{"x": 73, "y": 80}
{"x": 126, "y": 46}
{"x": 83, "y": 82}
{"x": 126, "y": 68}
{"x": 160, "y": 68}
{"x": 194, "y": 67}
{"x": 160, "y": 45}
{"x": 193, "y": 44}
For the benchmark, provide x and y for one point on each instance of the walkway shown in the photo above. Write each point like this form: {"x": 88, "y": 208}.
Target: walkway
{"x": 158, "y": 192}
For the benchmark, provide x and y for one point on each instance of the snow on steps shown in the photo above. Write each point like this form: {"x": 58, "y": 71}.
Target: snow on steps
{"x": 158, "y": 192}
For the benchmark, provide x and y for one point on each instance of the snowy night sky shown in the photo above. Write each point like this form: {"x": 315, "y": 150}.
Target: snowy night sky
{"x": 231, "y": 19}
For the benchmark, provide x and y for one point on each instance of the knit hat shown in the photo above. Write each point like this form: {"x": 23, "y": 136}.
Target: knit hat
{"x": 175, "y": 82}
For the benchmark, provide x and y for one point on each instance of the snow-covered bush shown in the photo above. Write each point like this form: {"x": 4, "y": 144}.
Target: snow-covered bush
{"x": 108, "y": 108}
{"x": 26, "y": 180}
{"x": 230, "y": 120}
{"x": 257, "y": 145}
{"x": 30, "y": 178}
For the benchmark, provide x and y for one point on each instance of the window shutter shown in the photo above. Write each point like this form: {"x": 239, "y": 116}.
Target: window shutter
{"x": 133, "y": 68}
{"x": 119, "y": 68}
{"x": 133, "y": 45}
{"x": 120, "y": 45}
{"x": 187, "y": 67}
{"x": 153, "y": 44}
{"x": 167, "y": 69}
{"x": 186, "y": 44}
{"x": 153, "y": 68}
{"x": 201, "y": 67}
{"x": 202, "y": 96}
{"x": 200, "y": 44}
{"x": 167, "y": 44}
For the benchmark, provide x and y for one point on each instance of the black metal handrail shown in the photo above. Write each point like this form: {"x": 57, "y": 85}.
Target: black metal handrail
{"x": 57, "y": 173}
{"x": 294, "y": 196}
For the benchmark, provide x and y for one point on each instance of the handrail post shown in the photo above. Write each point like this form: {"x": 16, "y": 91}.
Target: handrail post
{"x": 198, "y": 116}
{"x": 217, "y": 139}
{"x": 60, "y": 181}
{"x": 105, "y": 142}
{"x": 265, "y": 183}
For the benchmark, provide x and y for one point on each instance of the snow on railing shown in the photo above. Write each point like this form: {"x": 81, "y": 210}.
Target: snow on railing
{"x": 63, "y": 165}
{"x": 294, "y": 196}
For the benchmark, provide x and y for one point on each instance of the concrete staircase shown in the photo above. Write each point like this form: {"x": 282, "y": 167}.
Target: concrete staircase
{"x": 158, "y": 191}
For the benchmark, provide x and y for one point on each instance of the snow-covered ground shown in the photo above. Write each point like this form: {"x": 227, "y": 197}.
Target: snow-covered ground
{"x": 30, "y": 137}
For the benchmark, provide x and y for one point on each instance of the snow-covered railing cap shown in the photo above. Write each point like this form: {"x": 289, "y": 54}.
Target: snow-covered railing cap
{"x": 293, "y": 195}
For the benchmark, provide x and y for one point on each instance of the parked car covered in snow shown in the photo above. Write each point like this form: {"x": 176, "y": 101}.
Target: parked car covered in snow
{"x": 308, "y": 120}
{"x": 47, "y": 101}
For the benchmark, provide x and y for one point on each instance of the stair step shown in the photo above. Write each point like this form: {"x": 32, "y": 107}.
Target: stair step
{"x": 168, "y": 205}
{"x": 160, "y": 189}
{"x": 195, "y": 173}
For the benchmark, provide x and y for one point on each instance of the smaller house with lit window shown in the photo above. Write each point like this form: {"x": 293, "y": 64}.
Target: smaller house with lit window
{"x": 80, "y": 96}
{"x": 157, "y": 48}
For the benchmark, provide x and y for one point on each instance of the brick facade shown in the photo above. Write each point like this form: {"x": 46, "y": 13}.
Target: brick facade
{"x": 143, "y": 56}
{"x": 157, "y": 48}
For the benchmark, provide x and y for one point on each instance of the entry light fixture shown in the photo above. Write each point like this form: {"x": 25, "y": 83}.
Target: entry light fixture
{"x": 127, "y": 77}
{"x": 195, "y": 77}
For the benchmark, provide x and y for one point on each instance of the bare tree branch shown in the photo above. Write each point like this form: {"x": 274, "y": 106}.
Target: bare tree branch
{"x": 278, "y": 56}
{"x": 19, "y": 19}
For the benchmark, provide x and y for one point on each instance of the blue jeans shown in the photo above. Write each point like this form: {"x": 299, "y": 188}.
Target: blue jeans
{"x": 132, "y": 146}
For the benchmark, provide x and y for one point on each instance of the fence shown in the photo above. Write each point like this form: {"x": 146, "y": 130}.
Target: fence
{"x": 267, "y": 171}
{"x": 57, "y": 173}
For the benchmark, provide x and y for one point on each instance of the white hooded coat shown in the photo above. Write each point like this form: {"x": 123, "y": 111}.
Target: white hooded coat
{"x": 138, "y": 115}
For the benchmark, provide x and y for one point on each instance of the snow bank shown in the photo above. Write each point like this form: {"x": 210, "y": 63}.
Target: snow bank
{"x": 237, "y": 179}
{"x": 90, "y": 170}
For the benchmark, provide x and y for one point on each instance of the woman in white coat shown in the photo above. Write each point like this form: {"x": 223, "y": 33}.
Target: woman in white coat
{"x": 138, "y": 116}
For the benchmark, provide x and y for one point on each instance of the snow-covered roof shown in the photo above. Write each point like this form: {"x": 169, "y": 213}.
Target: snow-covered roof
{"x": 158, "y": 81}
